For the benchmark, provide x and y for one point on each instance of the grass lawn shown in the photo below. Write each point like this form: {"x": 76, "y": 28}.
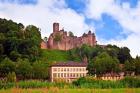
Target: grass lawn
{"x": 57, "y": 90}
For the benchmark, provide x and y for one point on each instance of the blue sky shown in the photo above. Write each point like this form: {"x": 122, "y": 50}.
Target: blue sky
{"x": 110, "y": 28}
{"x": 20, "y": 1}
{"x": 113, "y": 21}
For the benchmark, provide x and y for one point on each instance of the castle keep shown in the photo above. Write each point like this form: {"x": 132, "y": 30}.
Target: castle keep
{"x": 62, "y": 40}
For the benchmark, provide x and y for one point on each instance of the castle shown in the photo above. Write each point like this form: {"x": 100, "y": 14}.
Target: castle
{"x": 62, "y": 40}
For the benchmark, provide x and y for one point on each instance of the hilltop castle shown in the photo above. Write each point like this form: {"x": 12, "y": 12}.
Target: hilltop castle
{"x": 62, "y": 40}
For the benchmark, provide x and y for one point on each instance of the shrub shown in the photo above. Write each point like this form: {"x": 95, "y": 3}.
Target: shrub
{"x": 32, "y": 84}
{"x": 90, "y": 82}
{"x": 131, "y": 82}
{"x": 5, "y": 85}
{"x": 11, "y": 77}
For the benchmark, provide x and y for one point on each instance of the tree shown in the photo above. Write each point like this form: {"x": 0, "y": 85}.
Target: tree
{"x": 129, "y": 66}
{"x": 24, "y": 69}
{"x": 45, "y": 39}
{"x": 112, "y": 50}
{"x": 6, "y": 66}
{"x": 103, "y": 63}
{"x": 124, "y": 55}
{"x": 40, "y": 70}
{"x": 137, "y": 65}
{"x": 57, "y": 37}
{"x": 11, "y": 77}
{"x": 85, "y": 51}
{"x": 71, "y": 34}
{"x": 14, "y": 55}
{"x": 16, "y": 41}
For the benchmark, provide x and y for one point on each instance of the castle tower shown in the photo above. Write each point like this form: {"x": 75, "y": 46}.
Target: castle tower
{"x": 55, "y": 27}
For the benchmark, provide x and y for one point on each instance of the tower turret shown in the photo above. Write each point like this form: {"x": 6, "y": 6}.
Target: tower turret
{"x": 55, "y": 27}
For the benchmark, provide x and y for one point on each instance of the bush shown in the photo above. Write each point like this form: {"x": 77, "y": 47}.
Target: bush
{"x": 40, "y": 70}
{"x": 5, "y": 85}
{"x": 6, "y": 66}
{"x": 131, "y": 82}
{"x": 32, "y": 84}
{"x": 11, "y": 77}
{"x": 90, "y": 82}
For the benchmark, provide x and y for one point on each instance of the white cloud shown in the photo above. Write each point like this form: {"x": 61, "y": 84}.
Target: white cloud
{"x": 43, "y": 14}
{"x": 127, "y": 17}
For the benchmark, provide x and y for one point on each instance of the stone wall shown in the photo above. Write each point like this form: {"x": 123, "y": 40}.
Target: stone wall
{"x": 60, "y": 40}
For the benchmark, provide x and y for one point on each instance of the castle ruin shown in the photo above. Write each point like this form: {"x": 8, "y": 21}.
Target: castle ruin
{"x": 62, "y": 40}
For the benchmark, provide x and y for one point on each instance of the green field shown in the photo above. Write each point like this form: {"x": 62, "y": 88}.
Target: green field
{"x": 57, "y": 90}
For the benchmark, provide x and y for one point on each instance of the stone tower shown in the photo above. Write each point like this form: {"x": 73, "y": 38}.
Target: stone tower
{"x": 67, "y": 42}
{"x": 55, "y": 27}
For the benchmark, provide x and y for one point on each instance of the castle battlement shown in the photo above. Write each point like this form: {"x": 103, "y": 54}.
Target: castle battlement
{"x": 60, "y": 39}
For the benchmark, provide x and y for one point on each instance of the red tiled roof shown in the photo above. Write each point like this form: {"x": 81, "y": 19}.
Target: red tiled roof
{"x": 70, "y": 64}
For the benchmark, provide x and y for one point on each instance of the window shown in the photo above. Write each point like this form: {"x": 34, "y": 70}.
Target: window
{"x": 77, "y": 75}
{"x": 83, "y": 69}
{"x": 54, "y": 69}
{"x": 80, "y": 69}
{"x": 54, "y": 74}
{"x": 61, "y": 74}
{"x": 58, "y": 69}
{"x": 73, "y": 74}
{"x": 61, "y": 69}
{"x": 64, "y": 69}
{"x": 64, "y": 74}
{"x": 68, "y": 75}
{"x": 58, "y": 74}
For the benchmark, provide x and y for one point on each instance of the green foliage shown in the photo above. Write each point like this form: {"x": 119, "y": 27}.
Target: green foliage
{"x": 41, "y": 84}
{"x": 6, "y": 66}
{"x": 32, "y": 84}
{"x": 71, "y": 34}
{"x": 131, "y": 82}
{"x": 112, "y": 50}
{"x": 124, "y": 55}
{"x": 6, "y": 85}
{"x": 11, "y": 77}
{"x": 40, "y": 70}
{"x": 57, "y": 37}
{"x": 90, "y": 82}
{"x": 102, "y": 64}
{"x": 129, "y": 66}
{"x": 69, "y": 90}
{"x": 24, "y": 69}
{"x": 54, "y": 55}
{"x": 84, "y": 82}
{"x": 137, "y": 65}
{"x": 17, "y": 42}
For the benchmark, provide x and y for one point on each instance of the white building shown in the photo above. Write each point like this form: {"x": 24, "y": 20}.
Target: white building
{"x": 68, "y": 71}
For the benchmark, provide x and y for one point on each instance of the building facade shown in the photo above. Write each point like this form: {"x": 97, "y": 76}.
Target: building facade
{"x": 68, "y": 72}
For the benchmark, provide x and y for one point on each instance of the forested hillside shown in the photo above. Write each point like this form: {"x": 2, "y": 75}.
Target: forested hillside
{"x": 17, "y": 41}
{"x": 21, "y": 56}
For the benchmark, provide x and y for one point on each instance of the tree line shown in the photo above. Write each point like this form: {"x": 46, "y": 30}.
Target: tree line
{"x": 20, "y": 53}
{"x": 17, "y": 41}
{"x": 107, "y": 59}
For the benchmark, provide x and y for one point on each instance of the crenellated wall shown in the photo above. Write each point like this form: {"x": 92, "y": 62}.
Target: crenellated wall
{"x": 60, "y": 40}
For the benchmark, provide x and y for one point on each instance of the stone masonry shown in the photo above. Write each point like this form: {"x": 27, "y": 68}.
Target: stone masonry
{"x": 61, "y": 40}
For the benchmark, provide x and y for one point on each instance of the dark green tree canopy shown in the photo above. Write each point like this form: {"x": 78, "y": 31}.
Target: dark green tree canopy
{"x": 16, "y": 41}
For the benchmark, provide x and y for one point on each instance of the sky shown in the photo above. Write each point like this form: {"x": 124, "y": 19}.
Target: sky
{"x": 113, "y": 21}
